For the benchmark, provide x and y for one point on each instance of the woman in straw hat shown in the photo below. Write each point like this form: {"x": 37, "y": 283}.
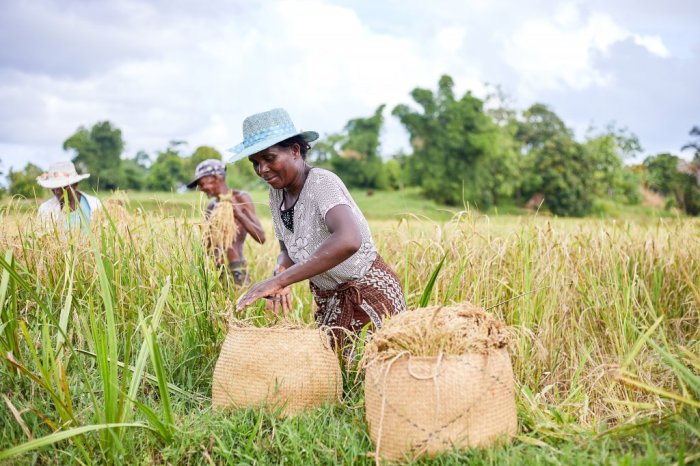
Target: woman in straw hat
{"x": 322, "y": 233}
{"x": 68, "y": 206}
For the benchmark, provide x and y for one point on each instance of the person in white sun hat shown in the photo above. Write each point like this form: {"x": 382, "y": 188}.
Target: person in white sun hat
{"x": 65, "y": 207}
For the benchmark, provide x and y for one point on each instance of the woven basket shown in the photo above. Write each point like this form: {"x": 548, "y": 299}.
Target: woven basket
{"x": 426, "y": 405}
{"x": 288, "y": 369}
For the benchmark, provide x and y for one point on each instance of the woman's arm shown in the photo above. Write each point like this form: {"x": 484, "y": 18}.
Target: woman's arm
{"x": 283, "y": 259}
{"x": 245, "y": 213}
{"x": 344, "y": 241}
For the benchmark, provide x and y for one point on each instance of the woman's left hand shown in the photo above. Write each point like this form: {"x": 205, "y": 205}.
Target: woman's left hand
{"x": 270, "y": 287}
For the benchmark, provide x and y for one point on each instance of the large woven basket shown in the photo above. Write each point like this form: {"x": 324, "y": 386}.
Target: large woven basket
{"x": 426, "y": 405}
{"x": 287, "y": 369}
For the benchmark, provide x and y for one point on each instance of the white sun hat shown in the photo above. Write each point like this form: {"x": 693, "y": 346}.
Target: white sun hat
{"x": 60, "y": 175}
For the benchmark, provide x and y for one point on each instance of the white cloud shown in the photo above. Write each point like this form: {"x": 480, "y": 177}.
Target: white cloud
{"x": 318, "y": 60}
{"x": 552, "y": 54}
{"x": 654, "y": 44}
{"x": 560, "y": 52}
{"x": 178, "y": 70}
{"x": 450, "y": 39}
{"x": 567, "y": 15}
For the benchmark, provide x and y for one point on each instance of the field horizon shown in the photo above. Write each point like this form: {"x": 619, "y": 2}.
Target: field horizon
{"x": 379, "y": 205}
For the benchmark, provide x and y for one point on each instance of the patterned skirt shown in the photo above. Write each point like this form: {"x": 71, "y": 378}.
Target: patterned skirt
{"x": 352, "y": 305}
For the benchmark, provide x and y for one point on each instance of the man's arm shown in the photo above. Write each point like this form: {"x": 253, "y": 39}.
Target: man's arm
{"x": 245, "y": 214}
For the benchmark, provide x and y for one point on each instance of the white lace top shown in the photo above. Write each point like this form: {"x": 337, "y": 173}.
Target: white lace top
{"x": 322, "y": 191}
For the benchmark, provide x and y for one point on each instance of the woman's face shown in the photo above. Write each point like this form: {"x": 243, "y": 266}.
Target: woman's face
{"x": 277, "y": 165}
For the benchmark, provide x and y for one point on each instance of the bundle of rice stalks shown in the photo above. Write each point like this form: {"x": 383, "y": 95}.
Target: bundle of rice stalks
{"x": 439, "y": 378}
{"x": 221, "y": 229}
{"x": 289, "y": 368}
{"x": 437, "y": 330}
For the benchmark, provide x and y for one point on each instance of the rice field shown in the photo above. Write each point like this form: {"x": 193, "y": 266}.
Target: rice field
{"x": 108, "y": 339}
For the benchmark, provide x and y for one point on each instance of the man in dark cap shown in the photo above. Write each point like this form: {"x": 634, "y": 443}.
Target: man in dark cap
{"x": 210, "y": 178}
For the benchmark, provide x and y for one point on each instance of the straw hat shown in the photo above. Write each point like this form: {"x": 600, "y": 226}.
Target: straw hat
{"x": 266, "y": 129}
{"x": 60, "y": 175}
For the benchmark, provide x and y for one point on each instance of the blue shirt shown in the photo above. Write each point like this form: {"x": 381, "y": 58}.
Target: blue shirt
{"x": 74, "y": 217}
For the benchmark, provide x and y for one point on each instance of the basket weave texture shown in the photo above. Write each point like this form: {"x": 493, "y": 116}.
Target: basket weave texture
{"x": 288, "y": 369}
{"x": 423, "y": 406}
{"x": 418, "y": 405}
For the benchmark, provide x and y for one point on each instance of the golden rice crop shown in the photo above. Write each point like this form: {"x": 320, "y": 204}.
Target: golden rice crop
{"x": 583, "y": 301}
{"x": 113, "y": 212}
{"x": 438, "y": 330}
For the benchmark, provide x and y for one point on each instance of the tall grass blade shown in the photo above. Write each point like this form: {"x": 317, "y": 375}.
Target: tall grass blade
{"x": 428, "y": 290}
{"x": 659, "y": 391}
{"x": 639, "y": 344}
{"x": 58, "y": 436}
{"x": 152, "y": 378}
{"x": 65, "y": 311}
{"x": 157, "y": 362}
{"x": 5, "y": 264}
{"x": 140, "y": 365}
{"x": 684, "y": 374}
{"x": 8, "y": 312}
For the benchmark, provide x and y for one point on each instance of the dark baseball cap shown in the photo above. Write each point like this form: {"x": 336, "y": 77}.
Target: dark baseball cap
{"x": 207, "y": 168}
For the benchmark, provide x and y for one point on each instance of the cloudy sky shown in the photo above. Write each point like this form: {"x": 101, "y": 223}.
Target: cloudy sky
{"x": 164, "y": 70}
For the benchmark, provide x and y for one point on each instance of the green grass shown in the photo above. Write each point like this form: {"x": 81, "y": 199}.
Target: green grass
{"x": 107, "y": 345}
{"x": 337, "y": 436}
{"x": 381, "y": 205}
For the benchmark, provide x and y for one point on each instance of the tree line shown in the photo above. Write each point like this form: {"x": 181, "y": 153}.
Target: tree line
{"x": 463, "y": 150}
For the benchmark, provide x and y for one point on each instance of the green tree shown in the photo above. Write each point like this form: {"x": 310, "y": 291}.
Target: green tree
{"x": 662, "y": 173}
{"x": 394, "y": 174}
{"x": 458, "y": 151}
{"x": 358, "y": 162}
{"x": 693, "y": 167}
{"x": 606, "y": 152}
{"x": 241, "y": 175}
{"x": 540, "y": 124}
{"x": 326, "y": 149}
{"x": 567, "y": 173}
{"x": 98, "y": 152}
{"x": 628, "y": 186}
{"x": 168, "y": 172}
{"x": 663, "y": 176}
{"x": 564, "y": 168}
{"x": 537, "y": 125}
{"x": 695, "y": 144}
{"x": 133, "y": 175}
{"x": 23, "y": 183}
{"x": 201, "y": 154}
{"x": 143, "y": 159}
